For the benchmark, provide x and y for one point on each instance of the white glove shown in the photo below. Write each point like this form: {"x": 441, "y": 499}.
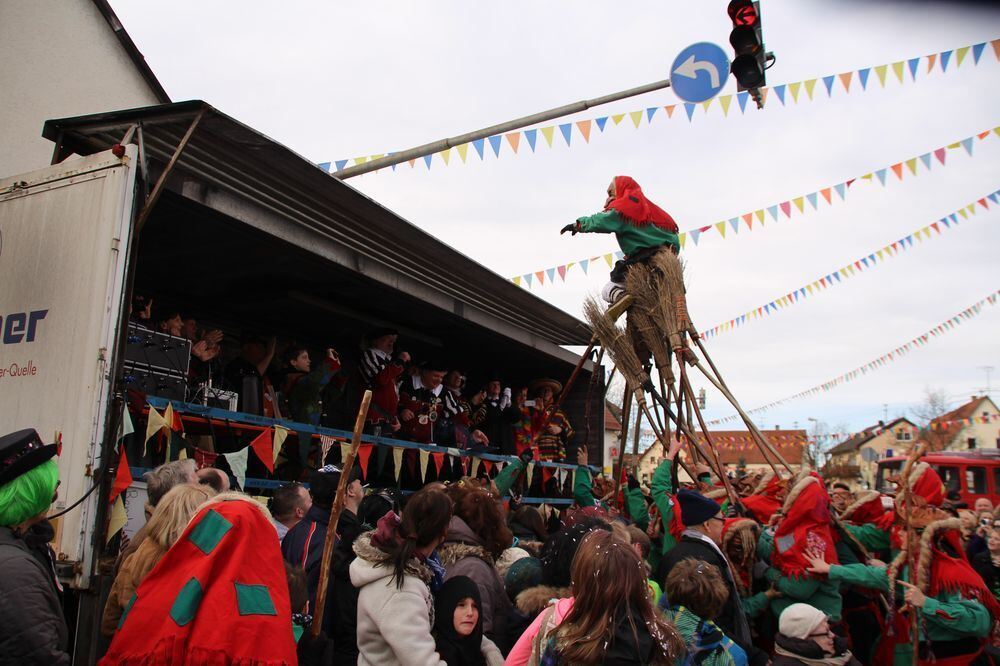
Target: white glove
{"x": 505, "y": 400}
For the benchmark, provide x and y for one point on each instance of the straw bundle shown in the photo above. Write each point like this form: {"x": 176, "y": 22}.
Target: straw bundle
{"x": 673, "y": 301}
{"x": 646, "y": 315}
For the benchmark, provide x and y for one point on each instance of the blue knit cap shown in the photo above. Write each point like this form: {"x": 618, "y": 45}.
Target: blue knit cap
{"x": 695, "y": 507}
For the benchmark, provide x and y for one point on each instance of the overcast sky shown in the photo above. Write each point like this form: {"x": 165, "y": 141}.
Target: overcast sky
{"x": 334, "y": 80}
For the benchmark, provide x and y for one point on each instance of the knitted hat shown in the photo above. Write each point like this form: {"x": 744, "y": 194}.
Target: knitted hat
{"x": 799, "y": 621}
{"x": 508, "y": 557}
{"x": 695, "y": 507}
{"x": 524, "y": 573}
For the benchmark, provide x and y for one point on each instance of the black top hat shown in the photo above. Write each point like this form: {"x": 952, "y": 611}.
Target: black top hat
{"x": 21, "y": 452}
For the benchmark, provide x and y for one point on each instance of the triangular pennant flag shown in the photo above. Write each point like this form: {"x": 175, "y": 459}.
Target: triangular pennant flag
{"x": 583, "y": 265}
{"x": 786, "y": 208}
{"x": 760, "y": 215}
{"x": 898, "y": 170}
{"x": 967, "y": 144}
{"x": 427, "y": 161}
{"x": 735, "y": 224}
{"x": 610, "y": 258}
{"x": 531, "y": 135}
{"x": 650, "y": 112}
{"x": 724, "y": 102}
{"x": 863, "y": 77}
{"x": 780, "y": 92}
{"x": 793, "y": 88}
{"x": 812, "y": 199}
{"x": 845, "y": 78}
{"x": 325, "y": 444}
{"x": 773, "y": 212}
{"x": 748, "y": 218}
{"x": 397, "y": 460}
{"x": 763, "y": 96}
{"x": 880, "y": 72}
{"x": 828, "y": 82}
{"x": 551, "y": 273}
{"x": 881, "y": 176}
{"x": 584, "y": 127}
{"x": 516, "y": 280}
{"x": 123, "y": 476}
{"x": 826, "y": 194}
{"x": 425, "y": 457}
{"x": 617, "y": 118}
{"x": 562, "y": 272}
{"x": 445, "y": 155}
{"x": 945, "y": 57}
{"x": 438, "y": 459}
{"x": 940, "y": 154}
{"x": 547, "y": 132}
{"x": 567, "y": 132}
{"x": 528, "y": 277}
{"x": 474, "y": 468}
{"x": 841, "y": 189}
{"x": 601, "y": 122}
{"x": 263, "y": 446}
{"x": 541, "y": 276}
{"x": 689, "y": 109}
{"x": 360, "y": 160}
{"x": 913, "y": 63}
{"x": 530, "y": 472}
{"x": 810, "y": 85}
{"x": 695, "y": 233}
{"x": 127, "y": 428}
{"x": 463, "y": 151}
{"x": 911, "y": 164}
{"x": 636, "y": 117}
{"x": 926, "y": 159}
{"x": 931, "y": 60}
{"x": 154, "y": 423}
{"x": 364, "y": 456}
{"x": 280, "y": 433}
{"x": 799, "y": 202}
{"x": 340, "y": 164}
{"x": 345, "y": 449}
{"x": 514, "y": 139}
{"x": 742, "y": 98}
{"x": 238, "y": 464}
{"x": 670, "y": 110}
{"x": 495, "y": 144}
{"x": 480, "y": 146}
{"x": 977, "y": 50}
{"x": 721, "y": 227}
{"x": 707, "y": 103}
{"x": 118, "y": 519}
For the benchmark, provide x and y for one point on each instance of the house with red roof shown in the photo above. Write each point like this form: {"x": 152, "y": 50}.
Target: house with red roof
{"x": 974, "y": 425}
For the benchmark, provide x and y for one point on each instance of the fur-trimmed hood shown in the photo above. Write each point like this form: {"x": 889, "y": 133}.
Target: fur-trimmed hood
{"x": 460, "y": 543}
{"x": 534, "y": 600}
{"x": 373, "y": 564}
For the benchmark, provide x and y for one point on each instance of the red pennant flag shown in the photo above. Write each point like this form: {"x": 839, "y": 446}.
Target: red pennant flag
{"x": 488, "y": 464}
{"x": 748, "y": 218}
{"x": 123, "y": 477}
{"x": 826, "y": 193}
{"x": 786, "y": 208}
{"x": 982, "y": 202}
{"x": 562, "y": 272}
{"x": 364, "y": 455}
{"x": 438, "y": 461}
{"x": 898, "y": 170}
{"x": 263, "y": 446}
{"x": 670, "y": 110}
{"x": 546, "y": 475}
{"x": 939, "y": 154}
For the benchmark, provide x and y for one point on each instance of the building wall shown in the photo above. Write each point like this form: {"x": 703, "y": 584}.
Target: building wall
{"x": 60, "y": 58}
{"x": 610, "y": 447}
{"x": 894, "y": 442}
{"x": 985, "y": 434}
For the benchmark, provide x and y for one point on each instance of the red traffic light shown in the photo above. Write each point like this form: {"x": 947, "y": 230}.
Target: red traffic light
{"x": 743, "y": 13}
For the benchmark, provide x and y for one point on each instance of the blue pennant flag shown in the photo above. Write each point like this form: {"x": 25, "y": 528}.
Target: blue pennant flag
{"x": 881, "y": 176}
{"x": 551, "y": 272}
{"x": 650, "y": 112}
{"x": 944, "y": 220}
{"x": 495, "y": 144}
{"x": 427, "y": 161}
{"x": 945, "y": 57}
{"x": 913, "y": 62}
{"x": 773, "y": 212}
{"x": 812, "y": 200}
{"x": 767, "y": 309}
{"x": 864, "y": 260}
{"x": 567, "y": 131}
{"x": 828, "y": 82}
{"x": 993, "y": 197}
{"x": 619, "y": 255}
{"x": 735, "y": 224}
{"x": 694, "y": 234}
{"x": 601, "y": 122}
{"x": 780, "y": 92}
{"x": 479, "y": 145}
{"x": 841, "y": 189}
{"x": 585, "y": 262}
{"x": 953, "y": 217}
{"x": 967, "y": 144}
{"x": 871, "y": 258}
{"x": 926, "y": 159}
{"x": 836, "y": 276}
{"x": 863, "y": 75}
{"x": 689, "y": 108}
{"x": 325, "y": 166}
{"x": 531, "y": 135}
{"x": 742, "y": 99}
{"x": 340, "y": 164}
{"x": 977, "y": 51}
{"x": 530, "y": 278}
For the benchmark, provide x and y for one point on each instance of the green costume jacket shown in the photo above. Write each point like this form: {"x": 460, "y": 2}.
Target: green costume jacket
{"x": 631, "y": 237}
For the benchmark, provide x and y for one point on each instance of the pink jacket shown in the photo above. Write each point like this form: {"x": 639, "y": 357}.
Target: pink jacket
{"x": 521, "y": 651}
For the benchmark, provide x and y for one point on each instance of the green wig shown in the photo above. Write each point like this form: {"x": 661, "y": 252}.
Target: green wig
{"x": 29, "y": 494}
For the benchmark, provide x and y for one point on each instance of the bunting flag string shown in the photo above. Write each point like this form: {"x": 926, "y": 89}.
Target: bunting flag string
{"x": 861, "y": 265}
{"x": 785, "y": 94}
{"x": 785, "y": 210}
{"x": 920, "y": 341}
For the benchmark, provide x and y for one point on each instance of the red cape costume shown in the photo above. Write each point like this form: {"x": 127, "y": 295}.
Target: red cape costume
{"x": 866, "y": 509}
{"x": 219, "y": 597}
{"x": 632, "y": 204}
{"x": 805, "y": 527}
{"x": 766, "y": 498}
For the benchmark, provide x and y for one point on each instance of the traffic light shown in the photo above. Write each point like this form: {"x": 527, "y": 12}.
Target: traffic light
{"x": 748, "y": 43}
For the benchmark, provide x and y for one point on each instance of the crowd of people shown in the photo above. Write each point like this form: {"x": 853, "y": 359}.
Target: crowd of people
{"x": 423, "y": 400}
{"x": 786, "y": 571}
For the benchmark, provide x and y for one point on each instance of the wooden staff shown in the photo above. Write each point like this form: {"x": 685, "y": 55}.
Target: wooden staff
{"x": 347, "y": 464}
{"x": 733, "y": 497}
{"x": 623, "y": 439}
{"x": 912, "y": 543}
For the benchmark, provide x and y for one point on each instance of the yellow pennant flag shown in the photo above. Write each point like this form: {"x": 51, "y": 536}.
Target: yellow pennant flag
{"x": 961, "y": 211}
{"x": 514, "y": 139}
{"x": 960, "y": 55}
{"x": 517, "y": 280}
{"x": 721, "y": 227}
{"x": 724, "y": 102}
{"x": 799, "y": 202}
{"x": 610, "y": 258}
{"x": 119, "y": 518}
{"x": 682, "y": 238}
{"x": 280, "y": 433}
{"x": 880, "y": 71}
{"x": 897, "y": 69}
{"x": 345, "y": 448}
{"x": 425, "y": 456}
{"x": 183, "y": 454}
{"x": 547, "y": 133}
{"x": 971, "y": 208}
{"x": 463, "y": 151}
{"x": 445, "y": 155}
{"x": 617, "y": 118}
{"x": 912, "y": 165}
{"x": 793, "y": 88}
{"x": 809, "y": 288}
{"x": 530, "y": 472}
{"x": 372, "y": 158}
{"x": 879, "y": 253}
{"x": 707, "y": 103}
{"x": 476, "y": 462}
{"x": 760, "y": 215}
{"x": 360, "y": 160}
{"x": 636, "y": 117}
{"x": 397, "y": 460}
{"x": 810, "y": 85}
{"x": 154, "y": 424}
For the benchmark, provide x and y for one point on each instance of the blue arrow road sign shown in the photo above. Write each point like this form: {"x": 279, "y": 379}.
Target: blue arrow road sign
{"x": 699, "y": 72}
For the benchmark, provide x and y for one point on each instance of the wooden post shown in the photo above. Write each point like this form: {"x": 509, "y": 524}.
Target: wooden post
{"x": 347, "y": 464}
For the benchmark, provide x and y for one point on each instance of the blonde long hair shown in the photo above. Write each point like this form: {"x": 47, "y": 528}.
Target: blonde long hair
{"x": 169, "y": 520}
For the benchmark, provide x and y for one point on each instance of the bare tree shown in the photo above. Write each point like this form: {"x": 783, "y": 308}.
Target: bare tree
{"x": 935, "y": 404}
